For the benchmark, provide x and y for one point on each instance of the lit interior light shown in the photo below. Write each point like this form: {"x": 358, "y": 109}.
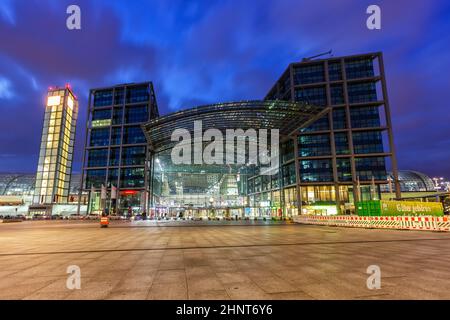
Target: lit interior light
{"x": 70, "y": 102}
{"x": 53, "y": 101}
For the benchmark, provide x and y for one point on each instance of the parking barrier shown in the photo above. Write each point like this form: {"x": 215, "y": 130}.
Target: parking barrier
{"x": 426, "y": 223}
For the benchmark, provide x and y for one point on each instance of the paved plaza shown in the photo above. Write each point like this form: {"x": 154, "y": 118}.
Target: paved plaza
{"x": 148, "y": 260}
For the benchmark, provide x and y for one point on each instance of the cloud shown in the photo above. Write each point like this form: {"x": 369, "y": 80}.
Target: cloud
{"x": 199, "y": 52}
{"x": 7, "y": 12}
{"x": 5, "y": 89}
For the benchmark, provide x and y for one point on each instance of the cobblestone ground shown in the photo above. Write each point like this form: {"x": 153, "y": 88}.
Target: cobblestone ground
{"x": 146, "y": 260}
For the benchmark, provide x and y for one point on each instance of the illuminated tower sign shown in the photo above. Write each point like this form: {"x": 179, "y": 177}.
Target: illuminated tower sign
{"x": 56, "y": 153}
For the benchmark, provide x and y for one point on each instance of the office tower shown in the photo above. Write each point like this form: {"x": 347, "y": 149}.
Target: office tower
{"x": 115, "y": 148}
{"x": 56, "y": 152}
{"x": 338, "y": 156}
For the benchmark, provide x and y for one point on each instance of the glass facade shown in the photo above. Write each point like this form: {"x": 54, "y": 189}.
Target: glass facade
{"x": 116, "y": 149}
{"x": 56, "y": 152}
{"x": 346, "y": 146}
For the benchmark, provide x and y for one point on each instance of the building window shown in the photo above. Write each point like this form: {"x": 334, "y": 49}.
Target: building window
{"x": 116, "y": 135}
{"x": 99, "y": 137}
{"x": 275, "y": 181}
{"x": 315, "y": 96}
{"x": 117, "y": 115}
{"x": 344, "y": 169}
{"x": 341, "y": 143}
{"x": 285, "y": 85}
{"x": 366, "y": 168}
{"x": 367, "y": 142}
{"x": 136, "y": 114}
{"x": 314, "y": 145}
{"x": 103, "y": 98}
{"x": 101, "y": 114}
{"x": 287, "y": 151}
{"x": 337, "y": 94}
{"x": 288, "y": 172}
{"x": 365, "y": 117}
{"x": 265, "y": 183}
{"x": 257, "y": 182}
{"x": 339, "y": 119}
{"x": 316, "y": 170}
{"x": 362, "y": 92}
{"x": 309, "y": 74}
{"x": 321, "y": 124}
{"x": 97, "y": 158}
{"x": 95, "y": 178}
{"x": 118, "y": 96}
{"x": 133, "y": 156}
{"x": 251, "y": 186}
{"x": 132, "y": 178}
{"x": 133, "y": 135}
{"x": 359, "y": 68}
{"x": 318, "y": 195}
{"x": 114, "y": 157}
{"x": 113, "y": 176}
{"x": 334, "y": 71}
{"x": 137, "y": 94}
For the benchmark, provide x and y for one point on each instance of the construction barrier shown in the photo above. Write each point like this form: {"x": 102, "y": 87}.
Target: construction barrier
{"x": 104, "y": 222}
{"x": 427, "y": 223}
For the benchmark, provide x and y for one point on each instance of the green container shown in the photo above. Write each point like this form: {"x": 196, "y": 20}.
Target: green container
{"x": 368, "y": 208}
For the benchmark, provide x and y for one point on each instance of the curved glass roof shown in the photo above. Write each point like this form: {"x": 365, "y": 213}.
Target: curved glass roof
{"x": 411, "y": 181}
{"x": 286, "y": 116}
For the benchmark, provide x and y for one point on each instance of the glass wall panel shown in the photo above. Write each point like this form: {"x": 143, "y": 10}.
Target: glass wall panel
{"x": 365, "y": 117}
{"x": 316, "y": 95}
{"x": 334, "y": 71}
{"x": 97, "y": 158}
{"x": 133, "y": 135}
{"x": 133, "y": 156}
{"x": 314, "y": 145}
{"x": 341, "y": 143}
{"x": 366, "y": 168}
{"x": 344, "y": 169}
{"x": 367, "y": 142}
{"x": 132, "y": 178}
{"x": 103, "y": 98}
{"x": 359, "y": 68}
{"x": 99, "y": 137}
{"x": 339, "y": 119}
{"x": 362, "y": 92}
{"x": 309, "y": 74}
{"x": 316, "y": 170}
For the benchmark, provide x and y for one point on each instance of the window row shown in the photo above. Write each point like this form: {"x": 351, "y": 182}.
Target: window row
{"x": 133, "y": 95}
{"x": 130, "y": 156}
{"x": 129, "y": 178}
{"x": 131, "y": 135}
{"x": 133, "y": 114}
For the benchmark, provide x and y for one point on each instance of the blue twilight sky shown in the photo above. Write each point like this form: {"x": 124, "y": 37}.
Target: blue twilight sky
{"x": 199, "y": 52}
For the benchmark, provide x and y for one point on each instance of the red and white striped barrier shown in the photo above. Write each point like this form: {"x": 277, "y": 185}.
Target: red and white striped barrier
{"x": 427, "y": 223}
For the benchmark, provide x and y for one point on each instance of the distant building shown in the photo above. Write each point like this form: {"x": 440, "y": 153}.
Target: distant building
{"x": 17, "y": 184}
{"x": 21, "y": 186}
{"x": 56, "y": 152}
{"x": 412, "y": 181}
